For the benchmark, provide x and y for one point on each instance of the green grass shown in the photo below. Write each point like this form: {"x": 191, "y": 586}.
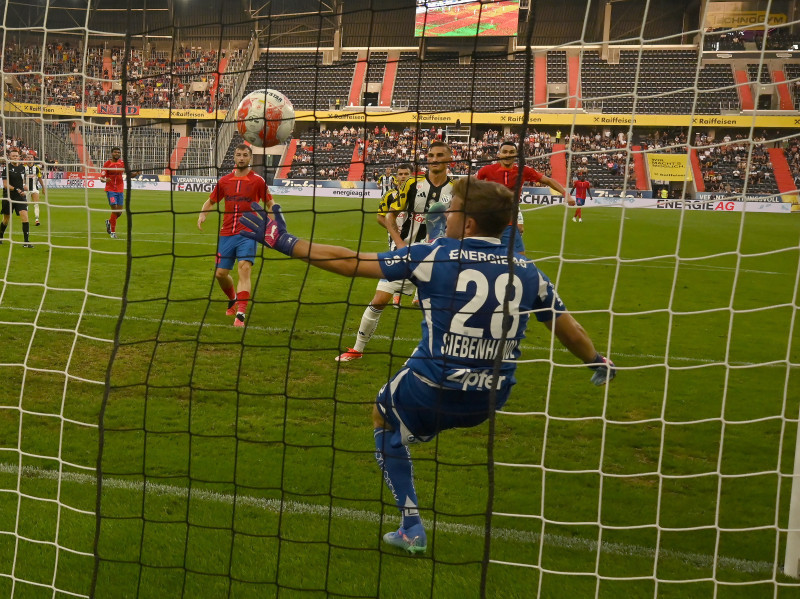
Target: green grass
{"x": 256, "y": 446}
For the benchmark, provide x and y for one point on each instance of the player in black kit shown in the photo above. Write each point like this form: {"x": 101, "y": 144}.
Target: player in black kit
{"x": 13, "y": 177}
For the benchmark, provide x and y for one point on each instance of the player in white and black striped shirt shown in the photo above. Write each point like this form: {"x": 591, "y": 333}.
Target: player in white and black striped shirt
{"x": 34, "y": 182}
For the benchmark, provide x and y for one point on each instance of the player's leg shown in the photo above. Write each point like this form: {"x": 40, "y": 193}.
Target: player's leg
{"x": 578, "y": 212}
{"x": 5, "y": 210}
{"x": 35, "y": 201}
{"x": 369, "y": 322}
{"x": 226, "y": 258}
{"x": 21, "y": 209}
{"x": 394, "y": 460}
{"x": 519, "y": 245}
{"x": 116, "y": 200}
{"x": 372, "y": 315}
{"x": 246, "y": 255}
{"x": 242, "y": 292}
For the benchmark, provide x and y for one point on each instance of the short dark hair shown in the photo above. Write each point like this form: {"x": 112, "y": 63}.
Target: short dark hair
{"x": 406, "y": 166}
{"x": 508, "y": 143}
{"x": 437, "y": 143}
{"x": 243, "y": 147}
{"x": 490, "y": 204}
{"x": 116, "y": 149}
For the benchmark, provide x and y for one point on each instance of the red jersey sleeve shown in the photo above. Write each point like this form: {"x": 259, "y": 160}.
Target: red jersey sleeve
{"x": 217, "y": 193}
{"x": 531, "y": 174}
{"x": 483, "y": 173}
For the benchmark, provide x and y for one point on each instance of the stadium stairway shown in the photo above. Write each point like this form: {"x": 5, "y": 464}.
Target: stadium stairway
{"x": 359, "y": 75}
{"x": 744, "y": 90}
{"x": 215, "y": 77}
{"x": 108, "y": 67}
{"x": 558, "y": 164}
{"x": 574, "y": 80}
{"x": 177, "y": 155}
{"x": 283, "y": 171}
{"x": 642, "y": 179}
{"x": 784, "y": 96}
{"x": 80, "y": 148}
{"x": 780, "y": 168}
{"x": 389, "y": 76}
{"x": 540, "y": 80}
{"x": 697, "y": 173}
{"x": 356, "y": 165}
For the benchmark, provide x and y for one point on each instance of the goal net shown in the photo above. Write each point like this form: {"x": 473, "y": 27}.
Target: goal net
{"x": 150, "y": 448}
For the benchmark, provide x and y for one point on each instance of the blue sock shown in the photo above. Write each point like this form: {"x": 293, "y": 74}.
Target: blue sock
{"x": 398, "y": 474}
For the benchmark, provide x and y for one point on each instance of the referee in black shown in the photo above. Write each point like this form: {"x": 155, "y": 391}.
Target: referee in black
{"x": 13, "y": 177}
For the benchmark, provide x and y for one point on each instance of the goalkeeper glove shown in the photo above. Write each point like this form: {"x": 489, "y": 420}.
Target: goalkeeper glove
{"x": 268, "y": 231}
{"x": 604, "y": 370}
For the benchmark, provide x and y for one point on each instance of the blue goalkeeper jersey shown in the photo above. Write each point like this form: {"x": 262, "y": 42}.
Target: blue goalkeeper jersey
{"x": 462, "y": 286}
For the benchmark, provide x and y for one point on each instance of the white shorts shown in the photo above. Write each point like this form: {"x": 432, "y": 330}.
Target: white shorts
{"x": 31, "y": 192}
{"x": 520, "y": 220}
{"x": 403, "y": 286}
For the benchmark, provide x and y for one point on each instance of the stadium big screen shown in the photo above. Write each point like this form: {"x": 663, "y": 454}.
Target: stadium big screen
{"x": 462, "y": 18}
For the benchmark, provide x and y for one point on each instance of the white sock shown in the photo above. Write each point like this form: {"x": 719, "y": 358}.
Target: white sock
{"x": 36, "y": 211}
{"x": 369, "y": 322}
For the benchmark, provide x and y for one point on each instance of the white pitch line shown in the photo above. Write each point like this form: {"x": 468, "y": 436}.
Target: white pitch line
{"x": 322, "y": 331}
{"x": 696, "y": 560}
{"x": 686, "y": 264}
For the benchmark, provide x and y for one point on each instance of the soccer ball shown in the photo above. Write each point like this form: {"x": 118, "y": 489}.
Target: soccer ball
{"x": 265, "y": 118}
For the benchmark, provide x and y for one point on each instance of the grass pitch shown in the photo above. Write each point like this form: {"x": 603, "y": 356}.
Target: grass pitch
{"x": 238, "y": 463}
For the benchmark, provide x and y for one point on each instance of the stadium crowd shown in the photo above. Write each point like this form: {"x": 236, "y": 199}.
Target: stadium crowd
{"x": 793, "y": 158}
{"x": 726, "y": 165}
{"x": 54, "y": 76}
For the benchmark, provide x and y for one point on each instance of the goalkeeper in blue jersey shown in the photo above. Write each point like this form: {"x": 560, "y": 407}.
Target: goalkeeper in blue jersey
{"x": 463, "y": 368}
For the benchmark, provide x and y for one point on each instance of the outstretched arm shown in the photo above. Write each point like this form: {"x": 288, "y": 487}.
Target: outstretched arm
{"x": 339, "y": 260}
{"x": 333, "y": 258}
{"x": 575, "y": 338}
{"x": 550, "y": 182}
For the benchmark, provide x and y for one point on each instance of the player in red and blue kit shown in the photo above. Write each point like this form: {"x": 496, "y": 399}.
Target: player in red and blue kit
{"x": 239, "y": 190}
{"x": 464, "y": 366}
{"x": 581, "y": 187}
{"x": 113, "y": 175}
{"x": 506, "y": 172}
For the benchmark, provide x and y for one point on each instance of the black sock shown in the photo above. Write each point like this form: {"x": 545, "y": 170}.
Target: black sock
{"x": 26, "y": 227}
{"x": 3, "y": 229}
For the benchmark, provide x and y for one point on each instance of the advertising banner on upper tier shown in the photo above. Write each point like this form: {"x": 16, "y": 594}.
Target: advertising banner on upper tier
{"x": 742, "y": 14}
{"x": 353, "y": 117}
{"x": 114, "y": 111}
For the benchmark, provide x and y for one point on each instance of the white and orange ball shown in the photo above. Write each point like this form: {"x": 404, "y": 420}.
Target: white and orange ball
{"x": 265, "y": 118}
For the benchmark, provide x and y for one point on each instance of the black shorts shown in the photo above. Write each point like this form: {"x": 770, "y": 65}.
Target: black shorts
{"x": 17, "y": 205}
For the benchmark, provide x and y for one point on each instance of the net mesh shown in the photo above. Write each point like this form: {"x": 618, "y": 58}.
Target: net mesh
{"x": 149, "y": 448}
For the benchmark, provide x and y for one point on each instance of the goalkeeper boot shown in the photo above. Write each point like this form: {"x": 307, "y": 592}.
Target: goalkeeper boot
{"x": 412, "y": 539}
{"x": 349, "y": 355}
{"x": 37, "y": 222}
{"x": 239, "y": 320}
{"x": 231, "y": 307}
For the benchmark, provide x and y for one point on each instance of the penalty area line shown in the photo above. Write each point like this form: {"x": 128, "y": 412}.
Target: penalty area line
{"x": 696, "y": 560}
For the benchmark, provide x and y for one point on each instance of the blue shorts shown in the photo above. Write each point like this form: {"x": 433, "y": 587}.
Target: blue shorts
{"x": 417, "y": 411}
{"x": 235, "y": 247}
{"x": 580, "y": 201}
{"x": 116, "y": 198}
{"x": 519, "y": 247}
